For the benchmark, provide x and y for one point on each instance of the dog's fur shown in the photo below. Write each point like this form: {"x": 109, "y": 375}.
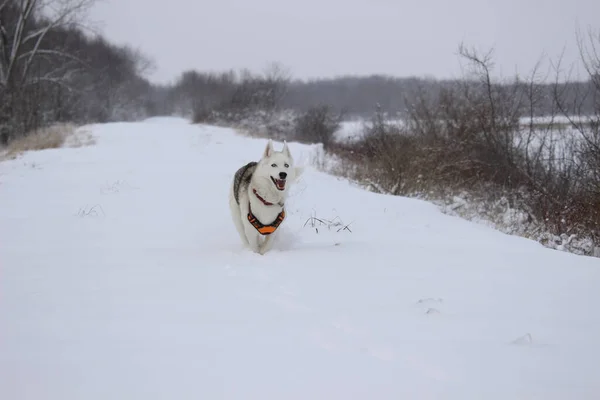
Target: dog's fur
{"x": 264, "y": 177}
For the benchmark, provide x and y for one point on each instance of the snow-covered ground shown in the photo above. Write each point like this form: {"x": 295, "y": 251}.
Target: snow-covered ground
{"x": 122, "y": 277}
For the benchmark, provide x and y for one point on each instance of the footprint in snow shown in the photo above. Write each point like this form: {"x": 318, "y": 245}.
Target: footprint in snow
{"x": 430, "y": 302}
{"x": 524, "y": 340}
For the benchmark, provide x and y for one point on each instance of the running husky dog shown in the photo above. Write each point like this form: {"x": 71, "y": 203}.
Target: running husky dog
{"x": 257, "y": 196}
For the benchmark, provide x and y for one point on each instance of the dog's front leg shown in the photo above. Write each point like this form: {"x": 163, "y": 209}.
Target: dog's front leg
{"x": 266, "y": 244}
{"x": 252, "y": 237}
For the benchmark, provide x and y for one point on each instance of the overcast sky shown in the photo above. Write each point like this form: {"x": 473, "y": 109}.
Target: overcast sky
{"x": 324, "y": 38}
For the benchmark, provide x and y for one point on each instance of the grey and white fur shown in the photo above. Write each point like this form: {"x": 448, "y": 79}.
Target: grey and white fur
{"x": 270, "y": 177}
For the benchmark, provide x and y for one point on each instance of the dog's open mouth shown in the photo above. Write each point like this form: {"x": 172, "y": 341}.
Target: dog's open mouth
{"x": 279, "y": 183}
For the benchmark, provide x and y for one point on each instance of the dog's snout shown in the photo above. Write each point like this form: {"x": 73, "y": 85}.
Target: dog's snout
{"x": 282, "y": 175}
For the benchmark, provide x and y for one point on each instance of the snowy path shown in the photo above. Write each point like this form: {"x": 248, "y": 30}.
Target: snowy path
{"x": 122, "y": 277}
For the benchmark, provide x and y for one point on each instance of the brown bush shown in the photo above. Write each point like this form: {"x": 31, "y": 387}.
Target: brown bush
{"x": 317, "y": 125}
{"x": 470, "y": 139}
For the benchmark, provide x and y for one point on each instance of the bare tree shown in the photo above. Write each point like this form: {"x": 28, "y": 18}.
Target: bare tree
{"x": 24, "y": 59}
{"x": 276, "y": 78}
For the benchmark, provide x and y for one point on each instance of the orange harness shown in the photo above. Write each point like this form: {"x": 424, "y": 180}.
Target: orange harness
{"x": 260, "y": 227}
{"x": 266, "y": 229}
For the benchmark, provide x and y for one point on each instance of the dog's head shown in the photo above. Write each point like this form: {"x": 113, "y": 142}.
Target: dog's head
{"x": 279, "y": 166}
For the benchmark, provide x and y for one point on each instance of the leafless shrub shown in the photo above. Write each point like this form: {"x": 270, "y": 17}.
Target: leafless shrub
{"x": 336, "y": 224}
{"x": 94, "y": 211}
{"x": 471, "y": 138}
{"x": 582, "y": 203}
{"x": 317, "y": 125}
{"x": 386, "y": 155}
{"x": 202, "y": 115}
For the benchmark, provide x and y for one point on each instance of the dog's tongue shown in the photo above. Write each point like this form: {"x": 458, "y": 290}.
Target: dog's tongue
{"x": 280, "y": 184}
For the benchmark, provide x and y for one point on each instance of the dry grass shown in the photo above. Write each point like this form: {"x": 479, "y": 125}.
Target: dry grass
{"x": 79, "y": 138}
{"x": 51, "y": 137}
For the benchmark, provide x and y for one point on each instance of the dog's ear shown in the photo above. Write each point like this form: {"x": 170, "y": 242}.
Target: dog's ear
{"x": 269, "y": 149}
{"x": 286, "y": 149}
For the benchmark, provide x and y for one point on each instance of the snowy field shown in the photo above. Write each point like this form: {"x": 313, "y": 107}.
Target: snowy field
{"x": 353, "y": 130}
{"x": 122, "y": 277}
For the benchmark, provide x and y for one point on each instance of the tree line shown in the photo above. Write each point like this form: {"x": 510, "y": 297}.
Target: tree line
{"x": 52, "y": 69}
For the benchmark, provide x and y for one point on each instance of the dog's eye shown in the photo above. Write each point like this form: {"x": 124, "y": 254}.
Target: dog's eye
{"x": 286, "y": 165}
{"x": 273, "y": 165}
